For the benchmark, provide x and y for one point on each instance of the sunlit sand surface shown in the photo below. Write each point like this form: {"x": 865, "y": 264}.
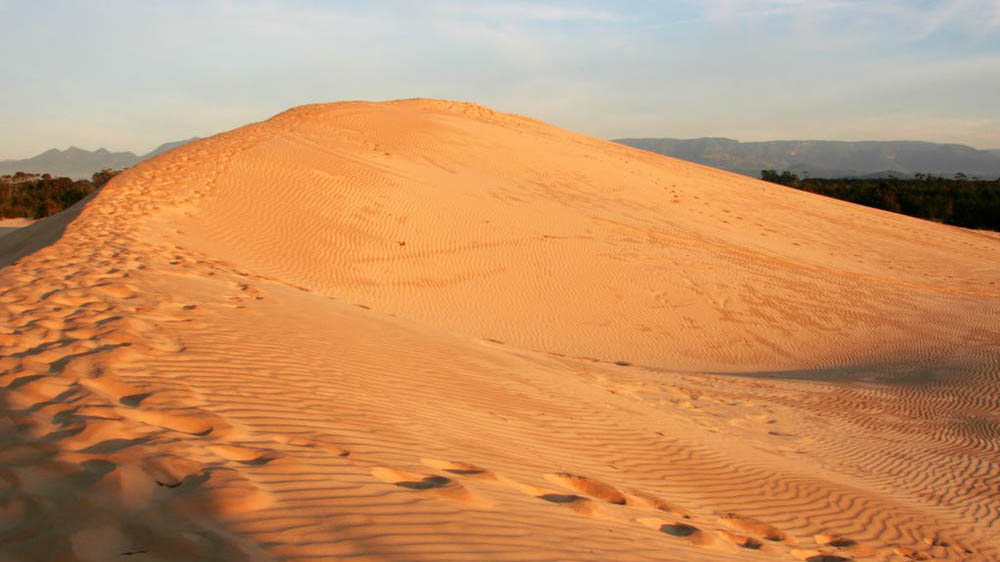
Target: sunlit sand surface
{"x": 427, "y": 331}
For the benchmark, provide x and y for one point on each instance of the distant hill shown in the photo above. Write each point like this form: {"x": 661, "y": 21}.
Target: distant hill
{"x": 73, "y": 162}
{"x": 81, "y": 164}
{"x": 829, "y": 159}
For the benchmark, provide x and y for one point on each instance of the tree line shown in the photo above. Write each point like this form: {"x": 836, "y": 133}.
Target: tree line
{"x": 959, "y": 201}
{"x": 40, "y": 195}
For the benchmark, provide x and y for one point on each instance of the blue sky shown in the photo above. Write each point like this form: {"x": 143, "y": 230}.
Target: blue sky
{"x": 129, "y": 75}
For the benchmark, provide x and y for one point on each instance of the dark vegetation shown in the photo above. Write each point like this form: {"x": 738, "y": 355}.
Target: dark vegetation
{"x": 959, "y": 201}
{"x": 40, "y": 195}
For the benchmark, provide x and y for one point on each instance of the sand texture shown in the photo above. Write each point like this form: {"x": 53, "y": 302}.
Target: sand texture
{"x": 427, "y": 331}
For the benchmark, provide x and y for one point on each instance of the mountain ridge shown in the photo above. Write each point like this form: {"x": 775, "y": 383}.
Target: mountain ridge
{"x": 79, "y": 163}
{"x": 833, "y": 159}
{"x": 817, "y": 158}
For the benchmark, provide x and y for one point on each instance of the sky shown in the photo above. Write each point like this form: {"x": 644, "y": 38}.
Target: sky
{"x": 129, "y": 75}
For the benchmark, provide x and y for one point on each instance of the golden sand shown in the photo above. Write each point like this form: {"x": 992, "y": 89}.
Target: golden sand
{"x": 425, "y": 330}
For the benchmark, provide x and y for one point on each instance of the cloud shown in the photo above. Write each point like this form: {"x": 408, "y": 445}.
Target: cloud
{"x": 922, "y": 18}
{"x": 931, "y": 17}
{"x": 531, "y": 11}
{"x": 723, "y": 10}
{"x": 623, "y": 68}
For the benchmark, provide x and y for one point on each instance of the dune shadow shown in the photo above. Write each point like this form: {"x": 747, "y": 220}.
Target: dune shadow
{"x": 426, "y": 483}
{"x": 561, "y": 498}
{"x": 133, "y": 400}
{"x": 678, "y": 529}
{"x": 925, "y": 373}
{"x": 21, "y": 242}
{"x": 113, "y": 445}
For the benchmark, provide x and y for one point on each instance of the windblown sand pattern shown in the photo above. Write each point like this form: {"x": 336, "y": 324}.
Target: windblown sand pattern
{"x": 424, "y": 330}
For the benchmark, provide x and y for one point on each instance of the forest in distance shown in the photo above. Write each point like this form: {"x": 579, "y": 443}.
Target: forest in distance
{"x": 37, "y": 196}
{"x": 959, "y": 201}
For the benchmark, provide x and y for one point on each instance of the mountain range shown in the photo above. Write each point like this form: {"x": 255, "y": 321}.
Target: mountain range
{"x": 79, "y": 163}
{"x": 829, "y": 159}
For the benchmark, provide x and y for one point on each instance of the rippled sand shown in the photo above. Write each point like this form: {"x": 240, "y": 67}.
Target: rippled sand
{"x": 425, "y": 330}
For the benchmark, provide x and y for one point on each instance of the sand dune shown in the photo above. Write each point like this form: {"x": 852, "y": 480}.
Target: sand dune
{"x": 425, "y": 330}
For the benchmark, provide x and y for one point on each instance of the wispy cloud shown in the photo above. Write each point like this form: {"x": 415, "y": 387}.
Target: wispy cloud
{"x": 532, "y": 11}
{"x": 922, "y": 18}
{"x": 931, "y": 17}
{"x": 750, "y": 68}
{"x": 721, "y": 9}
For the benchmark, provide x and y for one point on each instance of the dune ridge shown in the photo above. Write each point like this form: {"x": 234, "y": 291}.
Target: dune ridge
{"x": 425, "y": 330}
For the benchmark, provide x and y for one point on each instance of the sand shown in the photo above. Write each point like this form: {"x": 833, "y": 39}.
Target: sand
{"x": 425, "y": 331}
{"x": 10, "y": 225}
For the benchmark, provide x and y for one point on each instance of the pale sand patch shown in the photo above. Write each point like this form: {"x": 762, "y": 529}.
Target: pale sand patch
{"x": 10, "y": 225}
{"x": 425, "y": 330}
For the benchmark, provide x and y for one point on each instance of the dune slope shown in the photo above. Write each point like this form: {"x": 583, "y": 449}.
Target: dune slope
{"x": 425, "y": 330}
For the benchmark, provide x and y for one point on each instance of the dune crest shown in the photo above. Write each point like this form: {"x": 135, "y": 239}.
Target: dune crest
{"x": 426, "y": 330}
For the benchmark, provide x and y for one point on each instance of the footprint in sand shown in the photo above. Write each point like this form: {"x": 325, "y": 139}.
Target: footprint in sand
{"x": 824, "y": 539}
{"x": 847, "y": 546}
{"x": 170, "y": 471}
{"x": 753, "y": 526}
{"x": 460, "y": 469}
{"x": 246, "y": 293}
{"x": 192, "y": 425}
{"x": 639, "y": 498}
{"x": 117, "y": 291}
{"x": 439, "y": 485}
{"x": 589, "y": 486}
{"x": 738, "y": 532}
{"x": 199, "y": 423}
{"x": 131, "y": 398}
{"x": 741, "y": 541}
{"x": 911, "y": 553}
{"x": 115, "y": 390}
{"x": 679, "y": 530}
{"x": 243, "y": 455}
{"x": 579, "y": 504}
{"x": 315, "y": 443}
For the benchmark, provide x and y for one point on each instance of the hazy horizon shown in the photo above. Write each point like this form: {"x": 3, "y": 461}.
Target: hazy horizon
{"x": 743, "y": 141}
{"x": 137, "y": 76}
